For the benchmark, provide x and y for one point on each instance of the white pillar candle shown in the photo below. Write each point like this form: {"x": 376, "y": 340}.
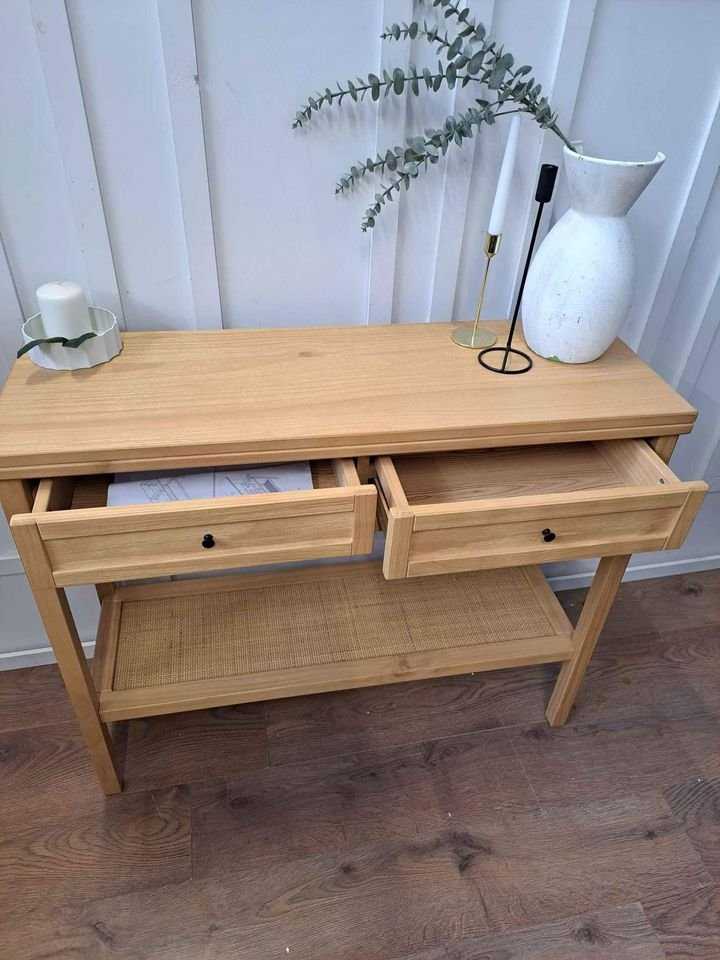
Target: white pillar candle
{"x": 64, "y": 309}
{"x": 502, "y": 194}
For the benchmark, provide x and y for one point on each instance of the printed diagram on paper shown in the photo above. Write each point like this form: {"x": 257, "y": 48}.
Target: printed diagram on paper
{"x": 275, "y": 478}
{"x": 168, "y": 487}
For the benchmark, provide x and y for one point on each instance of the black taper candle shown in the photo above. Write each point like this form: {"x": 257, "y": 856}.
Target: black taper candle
{"x": 543, "y": 193}
{"x": 546, "y": 182}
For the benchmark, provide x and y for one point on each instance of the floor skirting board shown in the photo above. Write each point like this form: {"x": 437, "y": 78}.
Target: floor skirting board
{"x": 640, "y": 571}
{"x": 10, "y": 565}
{"x": 35, "y": 656}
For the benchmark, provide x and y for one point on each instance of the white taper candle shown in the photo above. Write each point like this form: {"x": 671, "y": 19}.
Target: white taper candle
{"x": 64, "y": 309}
{"x": 502, "y": 193}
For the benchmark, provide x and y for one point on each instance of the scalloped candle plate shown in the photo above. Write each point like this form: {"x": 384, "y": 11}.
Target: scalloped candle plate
{"x": 99, "y": 349}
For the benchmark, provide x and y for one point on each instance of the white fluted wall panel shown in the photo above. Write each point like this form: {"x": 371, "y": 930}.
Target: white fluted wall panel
{"x": 146, "y": 150}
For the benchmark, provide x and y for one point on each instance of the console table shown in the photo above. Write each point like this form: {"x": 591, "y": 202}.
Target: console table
{"x": 476, "y": 478}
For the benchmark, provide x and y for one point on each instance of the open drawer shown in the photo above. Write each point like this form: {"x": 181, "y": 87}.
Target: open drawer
{"x": 444, "y": 513}
{"x": 88, "y": 542}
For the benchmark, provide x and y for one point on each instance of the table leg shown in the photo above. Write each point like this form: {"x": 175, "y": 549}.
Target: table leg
{"x": 60, "y": 627}
{"x": 103, "y": 590}
{"x": 601, "y": 595}
{"x": 363, "y": 469}
{"x": 15, "y": 497}
{"x": 664, "y": 446}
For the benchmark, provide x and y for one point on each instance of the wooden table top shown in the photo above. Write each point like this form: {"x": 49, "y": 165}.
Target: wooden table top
{"x": 198, "y": 398}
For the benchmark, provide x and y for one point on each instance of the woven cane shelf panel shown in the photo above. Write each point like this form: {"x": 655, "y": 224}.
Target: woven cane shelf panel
{"x": 347, "y": 618}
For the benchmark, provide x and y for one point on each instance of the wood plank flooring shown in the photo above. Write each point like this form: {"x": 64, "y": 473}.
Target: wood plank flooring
{"x": 440, "y": 820}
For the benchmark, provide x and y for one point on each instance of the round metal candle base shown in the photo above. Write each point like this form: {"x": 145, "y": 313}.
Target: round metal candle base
{"x": 463, "y": 336}
{"x": 504, "y": 360}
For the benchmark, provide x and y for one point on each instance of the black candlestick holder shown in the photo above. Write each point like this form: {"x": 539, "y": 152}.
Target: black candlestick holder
{"x": 543, "y": 193}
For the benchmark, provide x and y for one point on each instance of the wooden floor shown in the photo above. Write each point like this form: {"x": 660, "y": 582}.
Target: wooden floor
{"x": 440, "y": 820}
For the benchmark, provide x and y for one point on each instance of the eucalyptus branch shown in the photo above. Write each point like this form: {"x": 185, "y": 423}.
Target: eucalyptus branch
{"x": 530, "y": 98}
{"x": 450, "y": 48}
{"x": 470, "y": 57}
{"x": 451, "y": 9}
{"x": 398, "y": 82}
{"x": 424, "y": 149}
{"x": 420, "y": 152}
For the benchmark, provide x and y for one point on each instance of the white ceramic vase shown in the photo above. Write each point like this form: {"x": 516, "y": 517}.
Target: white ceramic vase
{"x": 580, "y": 284}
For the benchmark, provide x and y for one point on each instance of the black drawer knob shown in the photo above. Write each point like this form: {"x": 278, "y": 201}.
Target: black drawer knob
{"x": 208, "y": 541}
{"x": 547, "y": 535}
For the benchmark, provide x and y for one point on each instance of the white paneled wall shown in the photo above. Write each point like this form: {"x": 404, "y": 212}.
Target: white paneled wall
{"x": 146, "y": 150}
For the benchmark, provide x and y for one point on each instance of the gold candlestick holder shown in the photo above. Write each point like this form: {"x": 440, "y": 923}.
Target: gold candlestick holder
{"x": 472, "y": 335}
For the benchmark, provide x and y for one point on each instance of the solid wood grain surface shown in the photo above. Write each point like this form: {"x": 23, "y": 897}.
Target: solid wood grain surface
{"x": 508, "y": 472}
{"x": 437, "y": 820}
{"x": 16, "y": 497}
{"x": 600, "y": 597}
{"x": 174, "y": 397}
{"x": 527, "y": 471}
{"x": 89, "y": 542}
{"x": 54, "y": 609}
{"x": 475, "y": 510}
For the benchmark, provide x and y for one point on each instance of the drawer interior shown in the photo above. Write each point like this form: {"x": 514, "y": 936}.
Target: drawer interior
{"x": 525, "y": 471}
{"x": 78, "y": 493}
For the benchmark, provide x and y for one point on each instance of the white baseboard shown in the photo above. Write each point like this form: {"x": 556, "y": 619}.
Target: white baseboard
{"x": 34, "y": 656}
{"x": 10, "y": 565}
{"x": 644, "y": 571}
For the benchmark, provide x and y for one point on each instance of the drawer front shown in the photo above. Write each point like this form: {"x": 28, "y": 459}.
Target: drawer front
{"x": 515, "y": 531}
{"x": 545, "y": 537}
{"x": 103, "y": 544}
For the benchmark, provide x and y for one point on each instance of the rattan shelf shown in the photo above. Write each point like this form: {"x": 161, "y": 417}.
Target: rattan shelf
{"x": 197, "y": 643}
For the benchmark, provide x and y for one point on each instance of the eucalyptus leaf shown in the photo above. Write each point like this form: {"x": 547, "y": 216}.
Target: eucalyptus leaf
{"x": 496, "y": 77}
{"x": 454, "y": 48}
{"x": 475, "y": 65}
